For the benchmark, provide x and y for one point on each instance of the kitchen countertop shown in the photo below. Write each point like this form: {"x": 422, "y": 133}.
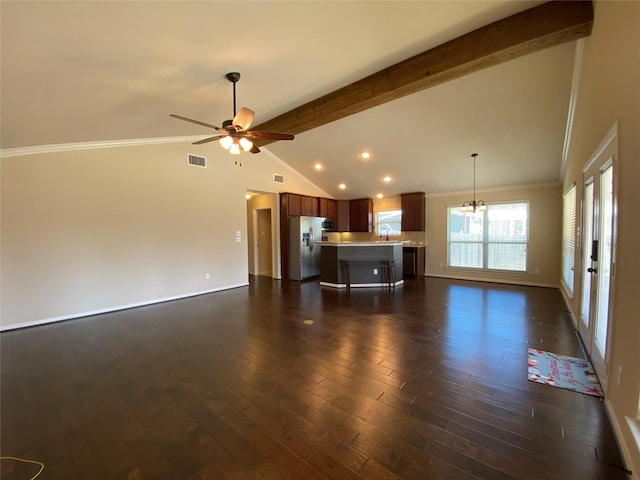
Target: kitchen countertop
{"x": 361, "y": 244}
{"x": 361, "y": 264}
{"x": 373, "y": 243}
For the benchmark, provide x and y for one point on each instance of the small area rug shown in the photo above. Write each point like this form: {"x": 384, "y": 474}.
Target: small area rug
{"x": 571, "y": 373}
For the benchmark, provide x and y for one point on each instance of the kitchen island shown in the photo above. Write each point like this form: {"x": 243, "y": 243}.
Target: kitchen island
{"x": 361, "y": 264}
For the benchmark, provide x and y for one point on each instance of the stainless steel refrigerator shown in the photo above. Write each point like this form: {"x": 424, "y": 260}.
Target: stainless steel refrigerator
{"x": 304, "y": 254}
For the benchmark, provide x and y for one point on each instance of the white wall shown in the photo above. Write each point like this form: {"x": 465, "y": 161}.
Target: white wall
{"x": 94, "y": 230}
{"x": 609, "y": 92}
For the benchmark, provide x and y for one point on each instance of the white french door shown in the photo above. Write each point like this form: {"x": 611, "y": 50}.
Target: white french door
{"x": 598, "y": 255}
{"x": 587, "y": 242}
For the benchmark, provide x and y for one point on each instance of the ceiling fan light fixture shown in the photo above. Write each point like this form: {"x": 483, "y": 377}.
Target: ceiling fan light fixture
{"x": 246, "y": 144}
{"x": 226, "y": 142}
{"x": 234, "y": 149}
{"x": 234, "y": 136}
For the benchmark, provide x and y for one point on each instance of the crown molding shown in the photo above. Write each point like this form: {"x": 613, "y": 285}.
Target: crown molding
{"x": 575, "y": 82}
{"x": 506, "y": 188}
{"x": 70, "y": 147}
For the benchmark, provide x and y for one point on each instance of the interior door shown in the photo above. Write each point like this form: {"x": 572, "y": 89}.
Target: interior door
{"x": 598, "y": 256}
{"x": 264, "y": 245}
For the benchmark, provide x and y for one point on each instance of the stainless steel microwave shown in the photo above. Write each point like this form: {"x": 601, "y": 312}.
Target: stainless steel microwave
{"x": 328, "y": 225}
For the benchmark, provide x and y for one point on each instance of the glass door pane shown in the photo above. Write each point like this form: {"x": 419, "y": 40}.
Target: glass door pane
{"x": 604, "y": 258}
{"x": 587, "y": 237}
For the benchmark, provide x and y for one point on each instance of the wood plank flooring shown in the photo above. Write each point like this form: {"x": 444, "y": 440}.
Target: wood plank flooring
{"x": 425, "y": 382}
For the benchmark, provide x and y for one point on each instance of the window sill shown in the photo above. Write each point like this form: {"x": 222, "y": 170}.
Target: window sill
{"x": 490, "y": 272}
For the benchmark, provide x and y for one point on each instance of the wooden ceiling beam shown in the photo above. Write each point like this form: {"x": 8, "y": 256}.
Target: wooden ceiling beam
{"x": 538, "y": 28}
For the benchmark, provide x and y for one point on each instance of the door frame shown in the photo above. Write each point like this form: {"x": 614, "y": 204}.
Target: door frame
{"x": 606, "y": 154}
{"x": 263, "y": 201}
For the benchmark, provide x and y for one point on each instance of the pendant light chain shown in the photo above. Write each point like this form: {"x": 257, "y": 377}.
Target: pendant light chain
{"x": 472, "y": 205}
{"x": 474, "y": 155}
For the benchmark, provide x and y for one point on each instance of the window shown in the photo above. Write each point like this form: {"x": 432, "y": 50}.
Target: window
{"x": 568, "y": 237}
{"x": 389, "y": 223}
{"x": 493, "y": 240}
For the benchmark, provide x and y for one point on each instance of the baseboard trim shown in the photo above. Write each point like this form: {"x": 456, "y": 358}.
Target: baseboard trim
{"x": 63, "y": 318}
{"x": 493, "y": 280}
{"x": 568, "y": 303}
{"x": 361, "y": 285}
{"x": 622, "y": 445}
{"x": 333, "y": 285}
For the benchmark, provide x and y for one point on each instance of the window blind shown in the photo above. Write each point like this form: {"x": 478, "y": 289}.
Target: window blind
{"x": 568, "y": 237}
{"x": 493, "y": 240}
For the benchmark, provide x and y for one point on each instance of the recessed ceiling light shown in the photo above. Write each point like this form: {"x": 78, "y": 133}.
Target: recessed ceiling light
{"x": 379, "y": 195}
{"x": 247, "y": 196}
{"x": 387, "y": 179}
{"x": 342, "y": 186}
{"x": 318, "y": 166}
{"x": 365, "y": 155}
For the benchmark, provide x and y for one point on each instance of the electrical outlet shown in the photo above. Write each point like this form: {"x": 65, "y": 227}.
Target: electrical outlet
{"x": 536, "y": 271}
{"x": 207, "y": 276}
{"x": 441, "y": 265}
{"x": 375, "y": 271}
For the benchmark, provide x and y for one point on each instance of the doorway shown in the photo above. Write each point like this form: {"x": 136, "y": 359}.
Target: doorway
{"x": 598, "y": 253}
{"x": 263, "y": 234}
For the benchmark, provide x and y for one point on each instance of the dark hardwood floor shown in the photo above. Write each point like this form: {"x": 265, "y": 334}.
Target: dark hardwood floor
{"x": 425, "y": 382}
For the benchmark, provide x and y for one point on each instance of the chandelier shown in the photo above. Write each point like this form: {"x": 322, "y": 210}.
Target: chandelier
{"x": 471, "y": 205}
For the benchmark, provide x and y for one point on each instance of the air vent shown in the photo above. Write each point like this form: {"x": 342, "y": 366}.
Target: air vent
{"x": 197, "y": 161}
{"x": 277, "y": 178}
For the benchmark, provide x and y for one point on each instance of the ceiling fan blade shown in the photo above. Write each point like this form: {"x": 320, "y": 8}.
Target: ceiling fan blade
{"x": 255, "y": 149}
{"x": 270, "y": 135}
{"x": 197, "y": 122}
{"x": 244, "y": 118}
{"x": 207, "y": 140}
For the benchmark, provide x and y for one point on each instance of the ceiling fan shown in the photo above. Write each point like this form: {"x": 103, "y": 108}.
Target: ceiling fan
{"x": 234, "y": 135}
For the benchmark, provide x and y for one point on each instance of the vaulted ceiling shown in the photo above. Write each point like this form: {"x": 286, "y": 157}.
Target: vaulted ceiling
{"x": 101, "y": 71}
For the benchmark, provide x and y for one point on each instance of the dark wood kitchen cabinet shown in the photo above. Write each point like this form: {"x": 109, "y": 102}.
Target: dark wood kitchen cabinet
{"x": 308, "y": 206}
{"x": 413, "y": 261}
{"x": 328, "y": 208}
{"x": 290, "y": 204}
{"x": 294, "y": 205}
{"x": 342, "y": 222}
{"x": 361, "y": 215}
{"x": 413, "y": 210}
